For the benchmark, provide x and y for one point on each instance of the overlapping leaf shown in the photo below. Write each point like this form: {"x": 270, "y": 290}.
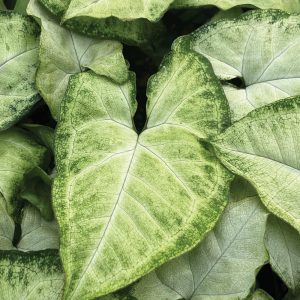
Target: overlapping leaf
{"x": 138, "y": 31}
{"x": 18, "y": 63}
{"x": 223, "y": 266}
{"x": 127, "y": 203}
{"x": 263, "y": 147}
{"x": 260, "y": 48}
{"x": 37, "y": 275}
{"x": 63, "y": 53}
{"x": 286, "y": 5}
{"x": 19, "y": 154}
{"x": 283, "y": 244}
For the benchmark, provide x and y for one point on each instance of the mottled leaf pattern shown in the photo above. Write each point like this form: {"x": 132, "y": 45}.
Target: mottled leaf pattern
{"x": 116, "y": 194}
{"x": 263, "y": 148}
{"x": 18, "y": 64}
{"x": 223, "y": 266}
{"x": 252, "y": 48}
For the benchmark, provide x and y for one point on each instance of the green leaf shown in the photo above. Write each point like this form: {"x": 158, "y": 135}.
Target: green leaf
{"x": 35, "y": 275}
{"x": 126, "y": 11}
{"x": 289, "y": 6}
{"x": 138, "y": 32}
{"x": 36, "y": 189}
{"x": 263, "y": 148}
{"x": 43, "y": 134}
{"x": 223, "y": 266}
{"x": 18, "y": 64}
{"x": 260, "y": 47}
{"x": 125, "y": 203}
{"x": 20, "y": 6}
{"x": 7, "y": 227}
{"x": 64, "y": 53}
{"x": 283, "y": 244}
{"x": 2, "y": 5}
{"x": 261, "y": 295}
{"x": 37, "y": 234}
{"x": 19, "y": 153}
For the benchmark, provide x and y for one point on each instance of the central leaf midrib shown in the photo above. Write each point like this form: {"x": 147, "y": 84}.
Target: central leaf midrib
{"x": 109, "y": 222}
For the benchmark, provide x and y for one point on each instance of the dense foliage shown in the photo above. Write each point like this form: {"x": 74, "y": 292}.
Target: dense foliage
{"x": 190, "y": 192}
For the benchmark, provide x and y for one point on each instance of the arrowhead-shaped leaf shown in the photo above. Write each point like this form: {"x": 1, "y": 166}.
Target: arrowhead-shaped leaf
{"x": 259, "y": 47}
{"x": 64, "y": 53}
{"x": 263, "y": 148}
{"x": 283, "y": 244}
{"x": 289, "y": 6}
{"x": 223, "y": 266}
{"x": 18, "y": 63}
{"x": 19, "y": 154}
{"x": 126, "y": 203}
{"x": 35, "y": 275}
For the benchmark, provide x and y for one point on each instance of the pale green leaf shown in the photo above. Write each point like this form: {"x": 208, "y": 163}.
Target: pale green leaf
{"x": 19, "y": 153}
{"x": 37, "y": 234}
{"x": 18, "y": 64}
{"x": 30, "y": 276}
{"x": 138, "y": 32}
{"x": 287, "y": 5}
{"x": 263, "y": 148}
{"x": 126, "y": 203}
{"x": 7, "y": 227}
{"x": 20, "y": 6}
{"x": 261, "y": 295}
{"x": 43, "y": 134}
{"x": 64, "y": 53}
{"x": 283, "y": 244}
{"x": 223, "y": 266}
{"x": 36, "y": 189}
{"x": 260, "y": 47}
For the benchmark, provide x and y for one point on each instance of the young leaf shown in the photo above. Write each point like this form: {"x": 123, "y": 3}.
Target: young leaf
{"x": 18, "y": 64}
{"x": 20, "y": 6}
{"x": 63, "y": 53}
{"x": 37, "y": 234}
{"x": 289, "y": 6}
{"x": 19, "y": 154}
{"x": 36, "y": 189}
{"x": 35, "y": 275}
{"x": 125, "y": 203}
{"x": 223, "y": 266}
{"x": 7, "y": 227}
{"x": 43, "y": 134}
{"x": 259, "y": 47}
{"x": 261, "y": 295}
{"x": 263, "y": 148}
{"x": 283, "y": 244}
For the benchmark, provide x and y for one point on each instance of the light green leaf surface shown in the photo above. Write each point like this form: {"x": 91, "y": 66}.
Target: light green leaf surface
{"x": 7, "y": 227}
{"x": 19, "y": 154}
{"x": 43, "y": 134}
{"x": 223, "y": 266}
{"x": 36, "y": 189}
{"x": 138, "y": 32}
{"x": 20, "y": 6}
{"x": 37, "y": 234}
{"x": 283, "y": 244}
{"x": 263, "y": 148}
{"x": 64, "y": 53}
{"x": 259, "y": 47}
{"x": 286, "y": 5}
{"x": 32, "y": 276}
{"x": 126, "y": 203}
{"x": 261, "y": 295}
{"x": 18, "y": 64}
